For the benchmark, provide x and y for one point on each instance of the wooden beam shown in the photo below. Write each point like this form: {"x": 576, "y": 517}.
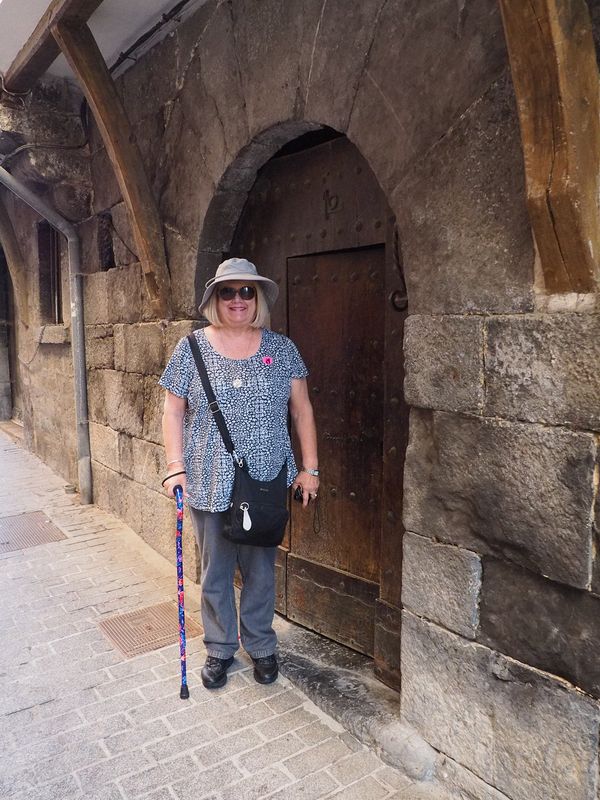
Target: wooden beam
{"x": 41, "y": 49}
{"x": 17, "y": 268}
{"x": 86, "y": 61}
{"x": 555, "y": 76}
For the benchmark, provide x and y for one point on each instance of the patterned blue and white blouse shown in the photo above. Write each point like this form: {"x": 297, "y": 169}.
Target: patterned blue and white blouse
{"x": 253, "y": 394}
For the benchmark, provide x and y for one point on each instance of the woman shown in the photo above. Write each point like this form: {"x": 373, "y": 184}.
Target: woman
{"x": 257, "y": 376}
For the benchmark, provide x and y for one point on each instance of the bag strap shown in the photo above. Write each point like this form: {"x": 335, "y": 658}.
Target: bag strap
{"x": 213, "y": 406}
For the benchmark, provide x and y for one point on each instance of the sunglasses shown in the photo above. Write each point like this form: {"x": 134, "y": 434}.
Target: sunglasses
{"x": 228, "y": 292}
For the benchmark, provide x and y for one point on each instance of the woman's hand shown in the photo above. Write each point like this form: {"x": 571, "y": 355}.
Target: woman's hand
{"x": 177, "y": 480}
{"x": 309, "y": 484}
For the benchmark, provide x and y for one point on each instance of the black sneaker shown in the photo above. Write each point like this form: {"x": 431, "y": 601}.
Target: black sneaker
{"x": 214, "y": 672}
{"x": 265, "y": 669}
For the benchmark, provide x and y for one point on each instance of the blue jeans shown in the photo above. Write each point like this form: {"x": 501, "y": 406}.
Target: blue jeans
{"x": 219, "y": 559}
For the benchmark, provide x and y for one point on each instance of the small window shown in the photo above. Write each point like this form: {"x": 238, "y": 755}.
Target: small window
{"x": 50, "y": 274}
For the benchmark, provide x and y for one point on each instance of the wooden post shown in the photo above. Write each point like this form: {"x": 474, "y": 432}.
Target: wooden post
{"x": 82, "y": 53}
{"x": 41, "y": 49}
{"x": 555, "y": 76}
{"x": 17, "y": 268}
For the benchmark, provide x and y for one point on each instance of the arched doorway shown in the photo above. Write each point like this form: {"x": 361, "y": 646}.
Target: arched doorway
{"x": 317, "y": 221}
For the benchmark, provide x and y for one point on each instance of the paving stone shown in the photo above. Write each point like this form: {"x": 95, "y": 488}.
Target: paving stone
{"x": 241, "y": 719}
{"x": 286, "y": 722}
{"x": 95, "y": 777}
{"x": 317, "y": 757}
{"x": 257, "y": 786}
{"x": 164, "y": 773}
{"x": 365, "y": 789}
{"x": 140, "y": 735}
{"x": 228, "y": 746}
{"x": 354, "y": 767}
{"x": 106, "y": 708}
{"x": 312, "y": 787}
{"x": 273, "y": 751}
{"x": 168, "y": 748}
{"x": 205, "y": 783}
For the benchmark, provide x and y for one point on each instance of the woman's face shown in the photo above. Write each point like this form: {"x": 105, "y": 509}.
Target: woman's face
{"x": 236, "y": 312}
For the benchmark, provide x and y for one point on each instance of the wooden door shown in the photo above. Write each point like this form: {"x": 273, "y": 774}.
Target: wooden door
{"x": 317, "y": 222}
{"x": 335, "y": 303}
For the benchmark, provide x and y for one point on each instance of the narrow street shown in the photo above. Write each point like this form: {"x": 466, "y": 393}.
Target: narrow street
{"x": 81, "y": 720}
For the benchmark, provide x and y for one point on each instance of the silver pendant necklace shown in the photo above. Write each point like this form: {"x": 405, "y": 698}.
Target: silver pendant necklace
{"x": 236, "y": 365}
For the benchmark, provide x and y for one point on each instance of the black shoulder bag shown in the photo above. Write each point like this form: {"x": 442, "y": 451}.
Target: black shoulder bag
{"x": 257, "y": 512}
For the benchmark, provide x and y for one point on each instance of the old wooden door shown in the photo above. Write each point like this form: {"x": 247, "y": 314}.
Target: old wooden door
{"x": 317, "y": 222}
{"x": 335, "y": 302}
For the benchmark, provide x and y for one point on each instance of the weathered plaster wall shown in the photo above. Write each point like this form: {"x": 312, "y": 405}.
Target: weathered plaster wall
{"x": 501, "y": 580}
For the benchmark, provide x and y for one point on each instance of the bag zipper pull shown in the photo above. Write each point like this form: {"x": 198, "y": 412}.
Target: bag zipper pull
{"x": 246, "y": 521}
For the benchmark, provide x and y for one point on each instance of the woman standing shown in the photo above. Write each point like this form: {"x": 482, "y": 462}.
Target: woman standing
{"x": 257, "y": 376}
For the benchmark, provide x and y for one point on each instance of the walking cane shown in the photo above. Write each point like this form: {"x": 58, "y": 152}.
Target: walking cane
{"x": 184, "y": 692}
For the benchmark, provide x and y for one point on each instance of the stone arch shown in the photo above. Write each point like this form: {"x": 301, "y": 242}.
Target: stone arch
{"x": 231, "y": 193}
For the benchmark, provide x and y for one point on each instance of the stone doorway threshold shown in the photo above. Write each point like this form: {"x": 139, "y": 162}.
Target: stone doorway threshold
{"x": 342, "y": 683}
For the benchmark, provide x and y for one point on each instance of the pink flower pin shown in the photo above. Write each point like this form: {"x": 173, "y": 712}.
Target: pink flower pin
{"x": 267, "y": 360}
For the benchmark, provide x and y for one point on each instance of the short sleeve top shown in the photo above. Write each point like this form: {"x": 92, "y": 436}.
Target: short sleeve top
{"x": 253, "y": 394}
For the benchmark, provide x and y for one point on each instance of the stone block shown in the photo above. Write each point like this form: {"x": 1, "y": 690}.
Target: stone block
{"x": 104, "y": 442}
{"x": 106, "y": 187}
{"x": 544, "y": 369}
{"x": 54, "y": 334}
{"x": 116, "y": 399}
{"x": 126, "y": 454}
{"x": 396, "y": 116}
{"x": 444, "y": 363}
{"x": 330, "y": 101}
{"x": 99, "y": 346}
{"x": 176, "y": 331}
{"x": 464, "y": 228}
{"x": 90, "y": 254}
{"x": 462, "y": 783}
{"x": 273, "y": 48}
{"x": 181, "y": 258}
{"x": 149, "y": 466}
{"x": 519, "y": 730}
{"x": 117, "y": 494}
{"x": 139, "y": 348}
{"x": 154, "y": 400}
{"x": 124, "y": 246}
{"x": 442, "y": 583}
{"x": 545, "y": 624}
{"x": 521, "y": 492}
{"x": 113, "y": 296}
{"x": 159, "y": 527}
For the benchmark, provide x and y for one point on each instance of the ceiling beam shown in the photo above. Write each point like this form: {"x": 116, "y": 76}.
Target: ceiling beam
{"x": 41, "y": 49}
{"x": 86, "y": 61}
{"x": 555, "y": 76}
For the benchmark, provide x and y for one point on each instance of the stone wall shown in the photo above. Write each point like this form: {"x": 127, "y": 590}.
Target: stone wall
{"x": 501, "y": 582}
{"x": 5, "y": 389}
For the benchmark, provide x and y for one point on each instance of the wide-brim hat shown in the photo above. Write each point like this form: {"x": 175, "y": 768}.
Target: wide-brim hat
{"x": 240, "y": 269}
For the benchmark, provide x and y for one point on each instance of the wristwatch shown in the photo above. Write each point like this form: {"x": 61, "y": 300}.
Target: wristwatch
{"x": 313, "y": 472}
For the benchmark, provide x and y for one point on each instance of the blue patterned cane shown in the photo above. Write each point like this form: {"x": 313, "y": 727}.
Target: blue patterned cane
{"x": 184, "y": 692}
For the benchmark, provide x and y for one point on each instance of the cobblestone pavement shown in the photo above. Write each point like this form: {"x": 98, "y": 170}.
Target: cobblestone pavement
{"x": 79, "y": 720}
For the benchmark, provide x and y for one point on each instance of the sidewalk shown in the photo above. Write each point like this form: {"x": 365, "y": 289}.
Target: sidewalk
{"x": 80, "y": 720}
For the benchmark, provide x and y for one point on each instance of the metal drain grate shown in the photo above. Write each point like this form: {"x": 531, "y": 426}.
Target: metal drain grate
{"x": 27, "y": 530}
{"x": 147, "y": 629}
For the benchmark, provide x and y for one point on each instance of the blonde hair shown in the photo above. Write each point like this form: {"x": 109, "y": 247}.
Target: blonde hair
{"x": 262, "y": 317}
